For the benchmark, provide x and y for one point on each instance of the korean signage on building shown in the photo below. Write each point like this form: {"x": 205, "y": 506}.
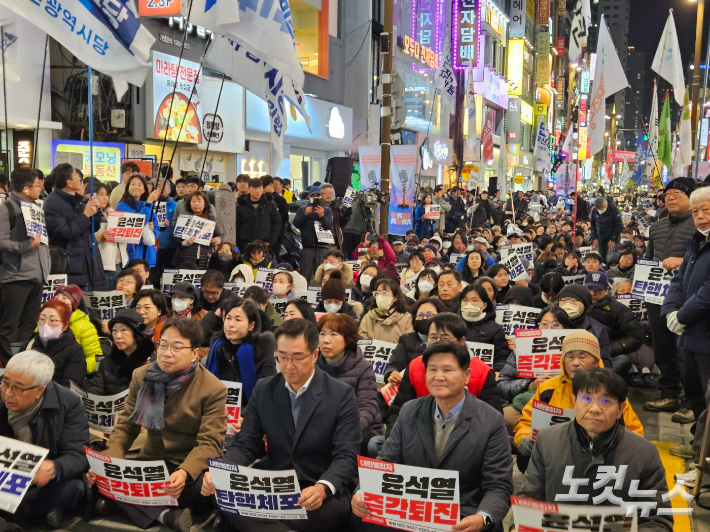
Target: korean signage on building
{"x": 517, "y": 19}
{"x": 464, "y": 46}
{"x": 107, "y": 157}
{"x": 516, "y": 54}
{"x": 426, "y": 57}
{"x": 543, "y": 58}
{"x": 428, "y": 32}
{"x": 24, "y": 142}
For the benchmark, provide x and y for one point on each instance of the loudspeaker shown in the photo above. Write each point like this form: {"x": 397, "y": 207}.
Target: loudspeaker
{"x": 339, "y": 173}
{"x": 492, "y": 186}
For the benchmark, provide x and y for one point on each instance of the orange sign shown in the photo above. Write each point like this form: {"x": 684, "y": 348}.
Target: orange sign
{"x": 145, "y": 166}
{"x": 159, "y": 8}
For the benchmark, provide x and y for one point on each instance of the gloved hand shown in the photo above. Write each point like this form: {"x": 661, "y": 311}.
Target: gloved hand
{"x": 526, "y": 446}
{"x": 673, "y": 324}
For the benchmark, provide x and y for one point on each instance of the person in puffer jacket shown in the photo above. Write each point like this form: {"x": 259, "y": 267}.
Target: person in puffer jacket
{"x": 84, "y": 331}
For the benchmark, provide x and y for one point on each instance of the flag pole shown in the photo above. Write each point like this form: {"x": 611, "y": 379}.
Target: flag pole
{"x": 90, "y": 111}
{"x": 702, "y": 108}
{"x": 209, "y": 139}
{"x": 39, "y": 110}
{"x": 4, "y": 97}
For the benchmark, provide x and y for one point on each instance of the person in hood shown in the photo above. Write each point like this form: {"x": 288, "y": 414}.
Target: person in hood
{"x": 519, "y": 295}
{"x": 131, "y": 349}
{"x": 479, "y": 313}
{"x": 341, "y": 358}
{"x": 550, "y": 286}
{"x": 334, "y": 298}
{"x": 225, "y": 260}
{"x": 242, "y": 273}
{"x": 387, "y": 318}
{"x": 258, "y": 217}
{"x": 185, "y": 302}
{"x": 84, "y": 331}
{"x": 55, "y": 339}
{"x": 334, "y": 260}
{"x": 576, "y": 300}
{"x": 257, "y": 255}
{"x": 580, "y": 351}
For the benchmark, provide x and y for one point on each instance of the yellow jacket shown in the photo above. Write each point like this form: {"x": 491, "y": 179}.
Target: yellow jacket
{"x": 562, "y": 397}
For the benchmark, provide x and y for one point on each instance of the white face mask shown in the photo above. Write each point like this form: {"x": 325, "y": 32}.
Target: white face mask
{"x": 365, "y": 280}
{"x": 49, "y": 333}
{"x": 280, "y": 289}
{"x": 332, "y": 308}
{"x": 600, "y": 211}
{"x": 180, "y": 305}
{"x": 447, "y": 245}
{"x": 470, "y": 247}
{"x": 571, "y": 309}
{"x": 544, "y": 298}
{"x": 327, "y": 267}
{"x": 384, "y": 302}
{"x": 436, "y": 269}
{"x": 425, "y": 286}
{"x": 622, "y": 240}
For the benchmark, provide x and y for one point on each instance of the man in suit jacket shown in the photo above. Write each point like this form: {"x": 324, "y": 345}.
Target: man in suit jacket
{"x": 311, "y": 424}
{"x": 452, "y": 430}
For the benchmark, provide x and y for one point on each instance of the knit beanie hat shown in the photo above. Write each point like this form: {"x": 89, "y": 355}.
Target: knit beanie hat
{"x": 578, "y": 292}
{"x": 129, "y": 318}
{"x": 581, "y": 341}
{"x": 333, "y": 288}
{"x": 72, "y": 292}
{"x": 684, "y": 184}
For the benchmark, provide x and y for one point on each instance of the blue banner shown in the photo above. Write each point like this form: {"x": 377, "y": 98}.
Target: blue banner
{"x": 639, "y": 160}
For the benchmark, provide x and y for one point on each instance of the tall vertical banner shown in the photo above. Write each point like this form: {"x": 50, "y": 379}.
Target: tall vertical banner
{"x": 517, "y": 19}
{"x": 639, "y": 159}
{"x": 487, "y": 137}
{"x": 403, "y": 168}
{"x": 370, "y": 167}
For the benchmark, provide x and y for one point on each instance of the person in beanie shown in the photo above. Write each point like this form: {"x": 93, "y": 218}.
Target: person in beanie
{"x": 667, "y": 239}
{"x": 84, "y": 331}
{"x": 185, "y": 299}
{"x": 333, "y": 297}
{"x": 580, "y": 351}
{"x": 131, "y": 350}
{"x": 576, "y": 300}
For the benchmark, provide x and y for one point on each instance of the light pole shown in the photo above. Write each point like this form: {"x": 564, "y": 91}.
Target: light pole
{"x": 696, "y": 111}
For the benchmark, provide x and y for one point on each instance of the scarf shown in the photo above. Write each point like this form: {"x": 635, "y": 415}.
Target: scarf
{"x": 157, "y": 386}
{"x": 20, "y": 421}
{"x": 245, "y": 359}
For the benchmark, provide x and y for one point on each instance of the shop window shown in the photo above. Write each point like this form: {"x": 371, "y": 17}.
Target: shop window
{"x": 311, "y": 27}
{"x": 305, "y": 171}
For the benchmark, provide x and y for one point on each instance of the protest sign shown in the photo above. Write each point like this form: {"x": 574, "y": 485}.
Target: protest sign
{"x": 324, "y": 236}
{"x": 573, "y": 279}
{"x": 265, "y": 278}
{"x": 514, "y": 317}
{"x": 126, "y": 226}
{"x": 171, "y": 277}
{"x": 53, "y": 282}
{"x": 378, "y": 354}
{"x": 201, "y": 229}
{"x": 432, "y": 212}
{"x": 516, "y": 270}
{"x": 34, "y": 221}
{"x": 636, "y": 304}
{"x": 524, "y": 250}
{"x": 132, "y": 481}
{"x": 651, "y": 281}
{"x": 161, "y": 213}
{"x": 539, "y": 352}
{"x": 584, "y": 250}
{"x": 537, "y": 516}
{"x": 482, "y": 351}
{"x": 238, "y": 289}
{"x": 19, "y": 462}
{"x": 279, "y": 304}
{"x": 645, "y": 203}
{"x": 544, "y": 415}
{"x": 348, "y": 198}
{"x": 234, "y": 405}
{"x": 256, "y": 493}
{"x": 407, "y": 497}
{"x": 401, "y": 267}
{"x": 103, "y": 306}
{"x": 389, "y": 391}
{"x": 101, "y": 410}
{"x": 454, "y": 258}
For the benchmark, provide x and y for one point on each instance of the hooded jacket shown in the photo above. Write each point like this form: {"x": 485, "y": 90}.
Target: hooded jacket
{"x": 558, "y": 392}
{"x": 87, "y": 337}
{"x": 487, "y": 331}
{"x": 354, "y": 370}
{"x": 346, "y": 270}
{"x": 246, "y": 271}
{"x": 388, "y": 328}
{"x": 625, "y": 331}
{"x": 116, "y": 370}
{"x": 67, "y": 355}
{"x": 521, "y": 293}
{"x": 607, "y": 227}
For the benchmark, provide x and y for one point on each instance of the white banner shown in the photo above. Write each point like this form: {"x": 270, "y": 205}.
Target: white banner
{"x": 635, "y": 304}
{"x": 514, "y": 317}
{"x": 161, "y": 213}
{"x": 349, "y": 197}
{"x": 18, "y": 466}
{"x": 516, "y": 270}
{"x": 524, "y": 250}
{"x": 171, "y": 277}
{"x": 584, "y": 250}
{"x": 324, "y": 236}
{"x": 651, "y": 281}
{"x": 530, "y": 515}
{"x": 234, "y": 405}
{"x": 544, "y": 415}
{"x": 238, "y": 289}
{"x": 573, "y": 279}
{"x": 445, "y": 78}
{"x": 103, "y": 306}
{"x": 53, "y": 282}
{"x": 378, "y": 354}
{"x": 265, "y": 278}
{"x": 454, "y": 258}
{"x": 539, "y": 352}
{"x": 407, "y": 497}
{"x": 34, "y": 221}
{"x": 370, "y": 166}
{"x": 136, "y": 482}
{"x": 126, "y": 226}
{"x": 517, "y": 19}
{"x": 482, "y": 351}
{"x": 256, "y": 493}
{"x": 101, "y": 410}
{"x": 201, "y": 229}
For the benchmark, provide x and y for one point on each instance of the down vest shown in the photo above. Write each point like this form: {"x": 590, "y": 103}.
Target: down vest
{"x": 355, "y": 371}
{"x": 669, "y": 236}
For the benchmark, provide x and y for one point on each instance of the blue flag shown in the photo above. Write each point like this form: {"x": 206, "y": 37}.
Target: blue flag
{"x": 639, "y": 160}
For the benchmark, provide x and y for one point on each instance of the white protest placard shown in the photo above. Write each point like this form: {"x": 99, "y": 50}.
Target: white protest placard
{"x": 401, "y": 267}
{"x": 348, "y": 198}
{"x": 201, "y": 229}
{"x": 234, "y": 405}
{"x": 171, "y": 277}
{"x": 539, "y": 352}
{"x": 19, "y": 462}
{"x": 635, "y": 304}
{"x": 432, "y": 212}
{"x": 132, "y": 481}
{"x": 53, "y": 282}
{"x": 544, "y": 415}
{"x": 408, "y": 497}
{"x": 537, "y": 516}
{"x": 645, "y": 203}
{"x": 482, "y": 351}
{"x": 514, "y": 317}
{"x": 256, "y": 493}
{"x": 516, "y": 270}
{"x": 524, "y": 250}
{"x": 103, "y": 306}
{"x": 625, "y": 217}
{"x": 101, "y": 410}
{"x": 34, "y": 221}
{"x": 324, "y": 236}
{"x": 238, "y": 289}
{"x": 126, "y": 226}
{"x": 584, "y": 250}
{"x": 378, "y": 354}
{"x": 454, "y": 258}
{"x": 265, "y": 278}
{"x": 573, "y": 279}
{"x": 651, "y": 281}
{"x": 279, "y": 304}
{"x": 161, "y": 213}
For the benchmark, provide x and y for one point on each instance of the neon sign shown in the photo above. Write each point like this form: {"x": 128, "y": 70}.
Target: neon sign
{"x": 428, "y": 30}
{"x": 467, "y": 28}
{"x": 426, "y": 56}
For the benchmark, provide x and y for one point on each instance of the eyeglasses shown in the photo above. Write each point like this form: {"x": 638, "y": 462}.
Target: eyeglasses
{"x": 603, "y": 402}
{"x": 382, "y": 294}
{"x": 441, "y": 338}
{"x": 291, "y": 360}
{"x": 550, "y": 325}
{"x": 54, "y": 322}
{"x": 426, "y": 316}
{"x": 16, "y": 390}
{"x": 673, "y": 194}
{"x": 176, "y": 349}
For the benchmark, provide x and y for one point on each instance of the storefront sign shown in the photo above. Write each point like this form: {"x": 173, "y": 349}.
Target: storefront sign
{"x": 517, "y": 19}
{"x": 135, "y": 151}
{"x": 623, "y": 156}
{"x": 494, "y": 21}
{"x": 427, "y": 39}
{"x": 107, "y": 157}
{"x": 526, "y": 112}
{"x": 585, "y": 82}
{"x": 493, "y": 88}
{"x": 424, "y": 55}
{"x": 543, "y": 57}
{"x": 24, "y": 143}
{"x": 516, "y": 52}
{"x": 159, "y": 8}
{"x": 560, "y": 46}
{"x": 465, "y": 34}
{"x": 543, "y": 12}
{"x": 582, "y": 120}
{"x": 582, "y": 149}
{"x": 213, "y": 128}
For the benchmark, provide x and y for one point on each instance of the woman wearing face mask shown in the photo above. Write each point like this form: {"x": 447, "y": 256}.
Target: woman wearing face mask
{"x": 362, "y": 292}
{"x": 387, "y": 318}
{"x": 479, "y": 313}
{"x": 198, "y": 206}
{"x": 243, "y": 274}
{"x": 425, "y": 285}
{"x": 242, "y": 353}
{"x": 412, "y": 344}
{"x": 84, "y": 331}
{"x": 283, "y": 287}
{"x": 474, "y": 266}
{"x": 55, "y": 339}
{"x": 416, "y": 265}
{"x": 334, "y": 297}
{"x": 153, "y": 307}
{"x": 423, "y": 227}
{"x": 184, "y": 300}
{"x": 550, "y": 286}
{"x": 225, "y": 260}
{"x": 501, "y": 278}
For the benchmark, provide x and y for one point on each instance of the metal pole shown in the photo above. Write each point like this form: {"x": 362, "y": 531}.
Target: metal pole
{"x": 90, "y": 110}
{"x": 39, "y": 109}
{"x": 209, "y": 139}
{"x": 702, "y": 107}
{"x": 4, "y": 97}
{"x": 696, "y": 113}
{"x": 386, "y": 130}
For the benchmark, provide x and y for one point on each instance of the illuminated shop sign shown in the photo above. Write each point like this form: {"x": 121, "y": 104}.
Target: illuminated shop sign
{"x": 428, "y": 32}
{"x": 466, "y": 24}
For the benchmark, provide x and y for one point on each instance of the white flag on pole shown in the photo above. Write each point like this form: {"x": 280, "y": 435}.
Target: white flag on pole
{"x": 667, "y": 61}
{"x": 471, "y": 112}
{"x": 445, "y": 77}
{"x": 653, "y": 126}
{"x": 625, "y": 175}
{"x": 567, "y": 145}
{"x": 215, "y": 15}
{"x": 609, "y": 78}
{"x": 581, "y": 21}
{"x": 542, "y": 148}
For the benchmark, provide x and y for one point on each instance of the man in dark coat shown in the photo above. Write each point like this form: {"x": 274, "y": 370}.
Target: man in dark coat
{"x": 452, "y": 430}
{"x": 315, "y": 244}
{"x": 455, "y": 217}
{"x": 281, "y": 203}
{"x": 68, "y": 218}
{"x": 258, "y": 218}
{"x": 482, "y": 214}
{"x": 38, "y": 411}
{"x": 606, "y": 227}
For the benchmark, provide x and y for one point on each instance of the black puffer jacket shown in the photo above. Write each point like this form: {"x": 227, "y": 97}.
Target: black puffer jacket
{"x": 487, "y": 331}
{"x": 409, "y": 347}
{"x": 669, "y": 236}
{"x": 355, "y": 371}
{"x": 482, "y": 214}
{"x": 306, "y": 225}
{"x": 116, "y": 370}
{"x": 607, "y": 227}
{"x": 257, "y": 222}
{"x": 624, "y": 329}
{"x": 67, "y": 355}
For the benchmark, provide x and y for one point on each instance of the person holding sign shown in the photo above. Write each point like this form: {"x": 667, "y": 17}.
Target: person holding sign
{"x": 114, "y": 254}
{"x": 315, "y": 222}
{"x": 38, "y": 411}
{"x": 452, "y": 430}
{"x": 183, "y": 409}
{"x": 137, "y": 200}
{"x": 422, "y": 225}
{"x": 562, "y": 451}
{"x": 198, "y": 206}
{"x": 580, "y": 351}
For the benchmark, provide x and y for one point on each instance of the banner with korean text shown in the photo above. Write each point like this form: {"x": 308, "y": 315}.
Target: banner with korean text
{"x": 539, "y": 352}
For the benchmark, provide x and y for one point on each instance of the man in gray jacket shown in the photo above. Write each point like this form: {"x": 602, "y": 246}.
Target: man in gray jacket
{"x": 440, "y": 199}
{"x": 584, "y": 449}
{"x": 24, "y": 266}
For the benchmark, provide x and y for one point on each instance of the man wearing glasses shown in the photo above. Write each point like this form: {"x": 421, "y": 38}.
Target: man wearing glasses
{"x": 567, "y": 459}
{"x": 24, "y": 264}
{"x": 311, "y": 424}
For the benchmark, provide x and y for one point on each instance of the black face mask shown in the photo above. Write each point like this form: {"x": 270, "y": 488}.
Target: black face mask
{"x": 224, "y": 257}
{"x": 422, "y": 326}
